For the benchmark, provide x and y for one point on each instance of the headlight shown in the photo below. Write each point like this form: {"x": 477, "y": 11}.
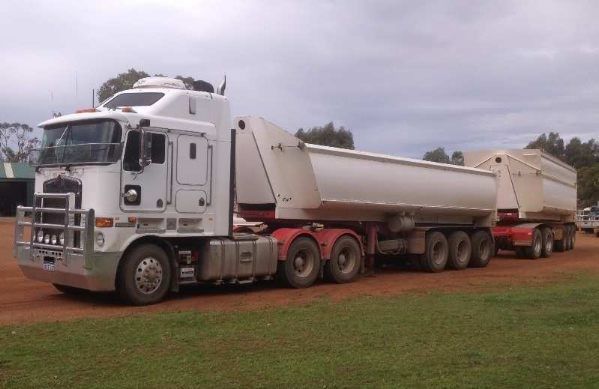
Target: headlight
{"x": 47, "y": 239}
{"x": 61, "y": 238}
{"x": 54, "y": 239}
{"x": 100, "y": 239}
{"x": 40, "y": 236}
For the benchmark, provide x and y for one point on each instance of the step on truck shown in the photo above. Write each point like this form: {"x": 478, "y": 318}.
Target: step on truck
{"x": 536, "y": 200}
{"x": 138, "y": 195}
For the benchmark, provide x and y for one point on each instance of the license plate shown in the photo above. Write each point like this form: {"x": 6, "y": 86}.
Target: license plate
{"x": 49, "y": 266}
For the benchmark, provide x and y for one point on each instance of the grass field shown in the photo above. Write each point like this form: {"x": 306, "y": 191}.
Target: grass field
{"x": 525, "y": 336}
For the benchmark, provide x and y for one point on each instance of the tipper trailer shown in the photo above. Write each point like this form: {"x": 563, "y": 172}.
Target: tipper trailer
{"x": 536, "y": 200}
{"x": 138, "y": 196}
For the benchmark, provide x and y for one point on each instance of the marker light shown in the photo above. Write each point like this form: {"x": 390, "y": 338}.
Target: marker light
{"x": 40, "y": 236}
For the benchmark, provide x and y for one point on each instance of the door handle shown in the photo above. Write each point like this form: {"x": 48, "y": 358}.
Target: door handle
{"x": 202, "y": 202}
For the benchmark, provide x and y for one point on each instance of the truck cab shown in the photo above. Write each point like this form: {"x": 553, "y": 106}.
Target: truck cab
{"x": 152, "y": 160}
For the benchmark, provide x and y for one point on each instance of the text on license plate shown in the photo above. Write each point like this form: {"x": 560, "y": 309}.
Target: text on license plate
{"x": 49, "y": 266}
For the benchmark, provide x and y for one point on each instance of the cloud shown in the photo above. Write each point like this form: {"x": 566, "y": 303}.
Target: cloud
{"x": 405, "y": 76}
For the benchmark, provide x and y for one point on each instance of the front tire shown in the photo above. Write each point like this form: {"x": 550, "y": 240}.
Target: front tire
{"x": 346, "y": 259}
{"x": 302, "y": 267}
{"x": 144, "y": 276}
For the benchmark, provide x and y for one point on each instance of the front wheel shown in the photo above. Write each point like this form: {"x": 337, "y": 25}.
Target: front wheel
{"x": 144, "y": 275}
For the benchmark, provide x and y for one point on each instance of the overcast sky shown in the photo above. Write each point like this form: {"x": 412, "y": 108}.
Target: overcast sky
{"x": 404, "y": 76}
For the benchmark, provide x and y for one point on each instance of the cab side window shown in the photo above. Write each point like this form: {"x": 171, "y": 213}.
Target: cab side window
{"x": 132, "y": 151}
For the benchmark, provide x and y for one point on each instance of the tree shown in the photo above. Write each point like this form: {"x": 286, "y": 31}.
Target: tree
{"x": 552, "y": 144}
{"x": 588, "y": 185}
{"x": 437, "y": 155}
{"x": 327, "y": 135}
{"x": 120, "y": 83}
{"x": 16, "y": 142}
{"x": 580, "y": 154}
{"x": 457, "y": 158}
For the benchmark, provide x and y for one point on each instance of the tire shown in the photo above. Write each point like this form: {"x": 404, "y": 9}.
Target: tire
{"x": 574, "y": 232}
{"x": 144, "y": 275}
{"x": 482, "y": 248}
{"x": 436, "y": 253}
{"x": 547, "y": 238}
{"x": 460, "y": 250}
{"x": 345, "y": 262}
{"x": 69, "y": 289}
{"x": 302, "y": 267}
{"x": 536, "y": 247}
{"x": 568, "y": 239}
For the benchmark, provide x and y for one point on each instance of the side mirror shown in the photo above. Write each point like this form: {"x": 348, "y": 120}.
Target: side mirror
{"x": 145, "y": 149}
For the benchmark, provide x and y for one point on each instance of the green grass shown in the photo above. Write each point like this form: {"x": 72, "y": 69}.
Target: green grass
{"x": 541, "y": 337}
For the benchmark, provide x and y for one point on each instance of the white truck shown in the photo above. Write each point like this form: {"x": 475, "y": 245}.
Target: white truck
{"x": 536, "y": 200}
{"x": 137, "y": 195}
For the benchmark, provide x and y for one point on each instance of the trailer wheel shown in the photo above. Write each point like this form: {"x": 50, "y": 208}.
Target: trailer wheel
{"x": 69, "y": 289}
{"x": 547, "y": 242}
{"x": 571, "y": 237}
{"x": 567, "y": 238}
{"x": 436, "y": 254}
{"x": 302, "y": 267}
{"x": 482, "y": 248}
{"x": 574, "y": 231}
{"x": 344, "y": 264}
{"x": 460, "y": 250}
{"x": 536, "y": 248}
{"x": 144, "y": 276}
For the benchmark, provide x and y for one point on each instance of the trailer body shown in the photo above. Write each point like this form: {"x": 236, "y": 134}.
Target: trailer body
{"x": 536, "y": 200}
{"x": 138, "y": 196}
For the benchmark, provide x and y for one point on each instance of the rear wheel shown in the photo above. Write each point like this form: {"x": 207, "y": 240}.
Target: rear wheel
{"x": 144, "y": 276}
{"x": 536, "y": 248}
{"x": 547, "y": 242}
{"x": 482, "y": 248}
{"x": 69, "y": 289}
{"x": 460, "y": 250}
{"x": 302, "y": 266}
{"x": 574, "y": 231}
{"x": 436, "y": 253}
{"x": 346, "y": 258}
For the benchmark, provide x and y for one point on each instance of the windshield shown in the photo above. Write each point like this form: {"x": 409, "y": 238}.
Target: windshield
{"x": 138, "y": 99}
{"x": 97, "y": 141}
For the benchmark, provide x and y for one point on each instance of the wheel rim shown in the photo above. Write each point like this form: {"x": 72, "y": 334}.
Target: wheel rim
{"x": 484, "y": 249}
{"x": 537, "y": 246}
{"x": 549, "y": 243}
{"x": 462, "y": 251}
{"x": 303, "y": 263}
{"x": 346, "y": 260}
{"x": 438, "y": 253}
{"x": 148, "y": 275}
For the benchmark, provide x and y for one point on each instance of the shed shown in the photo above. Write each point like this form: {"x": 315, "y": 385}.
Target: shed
{"x": 16, "y": 186}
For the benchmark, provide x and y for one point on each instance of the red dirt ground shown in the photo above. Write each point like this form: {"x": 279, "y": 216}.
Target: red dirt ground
{"x": 23, "y": 300}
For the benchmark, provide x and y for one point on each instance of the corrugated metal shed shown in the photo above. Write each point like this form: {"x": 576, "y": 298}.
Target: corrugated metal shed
{"x": 16, "y": 186}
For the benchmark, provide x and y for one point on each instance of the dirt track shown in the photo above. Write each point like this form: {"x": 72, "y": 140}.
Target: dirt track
{"x": 23, "y": 300}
